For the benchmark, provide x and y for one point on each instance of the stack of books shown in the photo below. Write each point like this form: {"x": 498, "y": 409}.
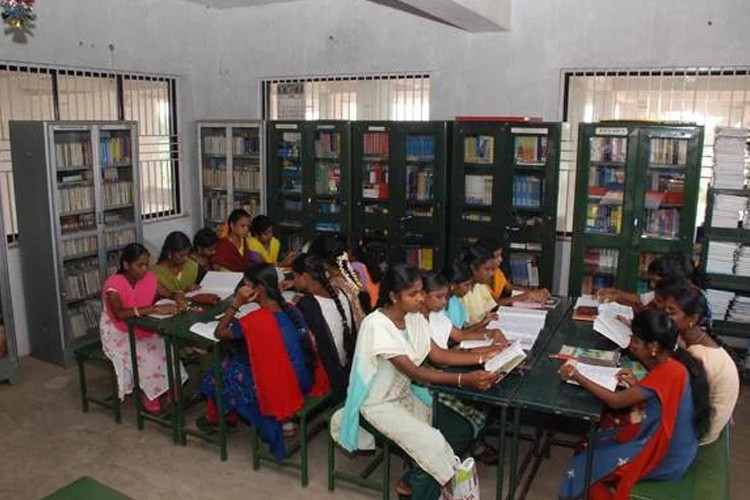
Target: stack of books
{"x": 739, "y": 311}
{"x": 721, "y": 257}
{"x": 730, "y": 158}
{"x": 719, "y": 301}
{"x": 728, "y": 210}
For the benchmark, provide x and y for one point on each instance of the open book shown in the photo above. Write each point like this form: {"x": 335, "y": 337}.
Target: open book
{"x": 521, "y": 326}
{"x": 613, "y": 328}
{"x": 222, "y": 284}
{"x": 506, "y": 361}
{"x": 605, "y": 376}
{"x": 205, "y": 330}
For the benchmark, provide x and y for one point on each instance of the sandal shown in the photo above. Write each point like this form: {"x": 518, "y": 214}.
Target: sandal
{"x": 289, "y": 429}
{"x": 485, "y": 453}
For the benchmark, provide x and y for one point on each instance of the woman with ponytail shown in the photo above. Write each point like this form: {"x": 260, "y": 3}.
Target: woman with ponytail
{"x": 267, "y": 383}
{"x": 687, "y": 307}
{"x": 663, "y": 444}
{"x": 328, "y": 314}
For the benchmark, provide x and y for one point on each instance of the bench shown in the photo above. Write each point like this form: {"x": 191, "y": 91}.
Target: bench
{"x": 93, "y": 354}
{"x": 707, "y": 477}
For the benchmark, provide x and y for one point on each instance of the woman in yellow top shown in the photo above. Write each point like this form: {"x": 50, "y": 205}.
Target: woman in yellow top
{"x": 478, "y": 301}
{"x": 262, "y": 244}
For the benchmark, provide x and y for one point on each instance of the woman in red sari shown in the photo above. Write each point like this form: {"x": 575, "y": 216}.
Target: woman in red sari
{"x": 232, "y": 253}
{"x": 676, "y": 415}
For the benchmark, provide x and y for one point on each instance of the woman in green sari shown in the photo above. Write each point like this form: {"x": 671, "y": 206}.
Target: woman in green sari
{"x": 175, "y": 270}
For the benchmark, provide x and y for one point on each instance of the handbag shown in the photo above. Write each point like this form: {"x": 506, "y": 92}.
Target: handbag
{"x": 465, "y": 483}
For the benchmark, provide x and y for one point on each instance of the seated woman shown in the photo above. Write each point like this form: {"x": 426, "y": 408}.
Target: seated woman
{"x": 175, "y": 270}
{"x": 264, "y": 246}
{"x": 392, "y": 344}
{"x": 478, "y": 301}
{"x": 686, "y": 305}
{"x": 369, "y": 273}
{"x": 265, "y": 383}
{"x": 663, "y": 444}
{"x": 130, "y": 293}
{"x": 204, "y": 249}
{"x": 677, "y": 266}
{"x": 232, "y": 253}
{"x": 502, "y": 289}
{"x": 328, "y": 315}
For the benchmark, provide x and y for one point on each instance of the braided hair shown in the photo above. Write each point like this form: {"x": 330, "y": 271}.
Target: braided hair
{"x": 307, "y": 263}
{"x": 265, "y": 275}
{"x": 331, "y": 250}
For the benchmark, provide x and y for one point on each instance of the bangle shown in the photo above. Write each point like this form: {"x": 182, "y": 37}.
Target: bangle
{"x": 459, "y": 380}
{"x": 481, "y": 360}
{"x": 137, "y": 314}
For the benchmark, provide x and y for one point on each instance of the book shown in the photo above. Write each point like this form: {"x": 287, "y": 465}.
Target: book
{"x": 608, "y": 324}
{"x": 473, "y": 344}
{"x": 605, "y": 376}
{"x": 590, "y": 356}
{"x": 506, "y": 361}
{"x": 585, "y": 313}
{"x": 222, "y": 284}
{"x": 205, "y": 330}
{"x": 521, "y": 326}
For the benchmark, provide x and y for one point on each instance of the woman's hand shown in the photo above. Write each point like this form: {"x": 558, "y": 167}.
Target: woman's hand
{"x": 165, "y": 309}
{"x": 497, "y": 337}
{"x": 479, "y": 379}
{"x": 623, "y": 319}
{"x": 626, "y": 378}
{"x": 540, "y": 295}
{"x": 607, "y": 294}
{"x": 567, "y": 371}
{"x": 180, "y": 301}
{"x": 288, "y": 259}
{"x": 194, "y": 287}
{"x": 244, "y": 295}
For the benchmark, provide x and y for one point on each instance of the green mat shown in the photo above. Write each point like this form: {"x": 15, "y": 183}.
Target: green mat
{"x": 86, "y": 488}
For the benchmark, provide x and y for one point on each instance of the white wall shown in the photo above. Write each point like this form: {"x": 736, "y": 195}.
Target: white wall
{"x": 222, "y": 55}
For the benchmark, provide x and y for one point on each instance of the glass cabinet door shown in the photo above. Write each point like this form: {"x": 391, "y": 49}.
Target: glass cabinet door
{"x": 246, "y": 174}
{"x": 606, "y": 185}
{"x": 600, "y": 269}
{"x": 328, "y": 189}
{"x": 664, "y": 188}
{"x": 214, "y": 175}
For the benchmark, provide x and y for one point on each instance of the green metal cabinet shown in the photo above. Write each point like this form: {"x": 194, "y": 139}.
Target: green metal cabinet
{"x": 399, "y": 188}
{"x": 308, "y": 179}
{"x": 636, "y": 196}
{"x": 504, "y": 186}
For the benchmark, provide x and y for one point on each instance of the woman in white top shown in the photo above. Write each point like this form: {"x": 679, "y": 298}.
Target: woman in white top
{"x": 687, "y": 307}
{"x": 392, "y": 344}
{"x": 328, "y": 314}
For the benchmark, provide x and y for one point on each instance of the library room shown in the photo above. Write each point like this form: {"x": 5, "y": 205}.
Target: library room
{"x": 360, "y": 249}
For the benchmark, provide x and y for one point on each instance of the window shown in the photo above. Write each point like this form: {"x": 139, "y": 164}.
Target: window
{"x": 712, "y": 98}
{"x": 380, "y": 97}
{"x": 41, "y": 93}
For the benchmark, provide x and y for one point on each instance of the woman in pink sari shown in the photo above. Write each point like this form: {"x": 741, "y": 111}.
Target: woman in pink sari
{"x": 130, "y": 293}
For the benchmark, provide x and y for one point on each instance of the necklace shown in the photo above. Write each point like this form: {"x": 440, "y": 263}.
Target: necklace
{"x": 700, "y": 337}
{"x": 399, "y": 324}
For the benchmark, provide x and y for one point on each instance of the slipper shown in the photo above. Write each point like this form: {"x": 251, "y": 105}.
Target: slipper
{"x": 289, "y": 431}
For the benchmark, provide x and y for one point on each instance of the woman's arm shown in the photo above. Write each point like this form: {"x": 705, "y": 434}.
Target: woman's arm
{"x": 123, "y": 313}
{"x": 613, "y": 294}
{"x": 479, "y": 379}
{"x": 448, "y": 357}
{"x": 243, "y": 296}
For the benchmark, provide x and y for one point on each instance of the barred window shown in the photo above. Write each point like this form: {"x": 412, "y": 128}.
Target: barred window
{"x": 374, "y": 97}
{"x": 47, "y": 93}
{"x": 712, "y": 97}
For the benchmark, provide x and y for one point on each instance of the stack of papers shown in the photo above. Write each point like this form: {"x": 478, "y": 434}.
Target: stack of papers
{"x": 521, "y": 326}
{"x": 719, "y": 300}
{"x": 508, "y": 359}
{"x": 742, "y": 268}
{"x": 222, "y": 284}
{"x": 605, "y": 376}
{"x": 720, "y": 258}
{"x": 730, "y": 157}
{"x": 608, "y": 324}
{"x": 739, "y": 311}
{"x": 728, "y": 210}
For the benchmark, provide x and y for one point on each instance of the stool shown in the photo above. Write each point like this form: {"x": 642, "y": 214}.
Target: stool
{"x": 93, "y": 354}
{"x": 387, "y": 447}
{"x": 312, "y": 408}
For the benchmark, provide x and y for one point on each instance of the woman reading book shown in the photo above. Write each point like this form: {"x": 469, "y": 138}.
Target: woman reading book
{"x": 663, "y": 444}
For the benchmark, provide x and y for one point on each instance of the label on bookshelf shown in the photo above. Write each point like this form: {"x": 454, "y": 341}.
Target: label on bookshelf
{"x": 326, "y": 127}
{"x": 530, "y": 131}
{"x": 376, "y": 129}
{"x": 611, "y": 131}
{"x": 286, "y": 126}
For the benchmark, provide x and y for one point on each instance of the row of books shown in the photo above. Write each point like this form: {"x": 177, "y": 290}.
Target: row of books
{"x": 668, "y": 151}
{"x": 78, "y": 246}
{"x": 607, "y": 175}
{"x": 328, "y": 227}
{"x": 663, "y": 199}
{"x": 74, "y": 199}
{"x": 601, "y": 260}
{"x": 75, "y": 223}
{"x": 730, "y": 211}
{"x": 419, "y": 211}
{"x": 591, "y": 283}
{"x": 118, "y": 193}
{"x": 293, "y": 205}
{"x": 329, "y": 207}
{"x": 328, "y": 144}
{"x": 248, "y": 144}
{"x": 614, "y": 149}
{"x": 478, "y": 189}
{"x": 476, "y": 217}
{"x": 730, "y": 158}
{"x": 84, "y": 319}
{"x": 663, "y": 223}
{"x": 115, "y": 150}
{"x": 214, "y": 145}
{"x": 720, "y": 301}
{"x": 327, "y": 178}
{"x": 528, "y": 191}
{"x": 289, "y": 147}
{"x": 82, "y": 280}
{"x": 73, "y": 154}
{"x": 376, "y": 184}
{"x": 375, "y": 143}
{"x": 421, "y": 257}
{"x": 248, "y": 179}
{"x": 420, "y": 146}
{"x": 739, "y": 310}
{"x": 531, "y": 149}
{"x": 659, "y": 180}
{"x": 419, "y": 183}
{"x": 119, "y": 237}
{"x": 603, "y": 219}
{"x": 479, "y": 149}
{"x": 291, "y": 178}
{"x": 524, "y": 270}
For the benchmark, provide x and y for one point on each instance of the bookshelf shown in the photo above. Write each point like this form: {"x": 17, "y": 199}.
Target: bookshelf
{"x": 309, "y": 179}
{"x": 9, "y": 369}
{"x": 399, "y": 178}
{"x": 504, "y": 186}
{"x": 78, "y": 206}
{"x": 636, "y": 196}
{"x": 231, "y": 158}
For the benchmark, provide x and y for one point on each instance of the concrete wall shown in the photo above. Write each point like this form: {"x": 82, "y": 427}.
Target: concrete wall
{"x": 222, "y": 56}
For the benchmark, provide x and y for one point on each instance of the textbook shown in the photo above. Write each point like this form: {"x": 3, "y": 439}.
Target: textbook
{"x": 590, "y": 356}
{"x": 609, "y": 324}
{"x": 605, "y": 376}
{"x": 506, "y": 361}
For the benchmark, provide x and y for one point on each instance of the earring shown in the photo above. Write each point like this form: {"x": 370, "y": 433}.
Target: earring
{"x": 653, "y": 353}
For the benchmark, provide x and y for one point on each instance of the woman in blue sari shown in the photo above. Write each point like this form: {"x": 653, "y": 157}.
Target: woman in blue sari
{"x": 676, "y": 414}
